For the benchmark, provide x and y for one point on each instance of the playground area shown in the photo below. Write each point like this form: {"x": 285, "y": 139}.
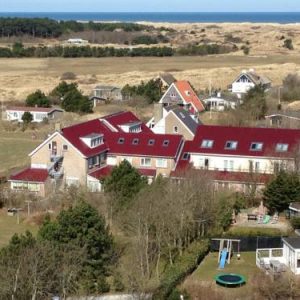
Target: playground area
{"x": 209, "y": 268}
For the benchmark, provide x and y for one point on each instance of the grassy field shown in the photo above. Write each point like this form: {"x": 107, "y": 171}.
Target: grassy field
{"x": 14, "y": 149}
{"x": 9, "y": 226}
{"x": 20, "y": 77}
{"x": 208, "y": 269}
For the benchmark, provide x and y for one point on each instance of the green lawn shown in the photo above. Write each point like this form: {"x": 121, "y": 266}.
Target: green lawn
{"x": 14, "y": 150}
{"x": 9, "y": 226}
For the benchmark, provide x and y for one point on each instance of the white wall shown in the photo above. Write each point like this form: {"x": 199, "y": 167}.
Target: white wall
{"x": 17, "y": 116}
{"x": 242, "y": 87}
{"x": 234, "y": 163}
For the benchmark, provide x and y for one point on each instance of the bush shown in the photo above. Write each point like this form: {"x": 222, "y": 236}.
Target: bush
{"x": 252, "y": 232}
{"x": 295, "y": 222}
{"x": 288, "y": 43}
{"x": 291, "y": 87}
{"x": 182, "y": 267}
{"x": 144, "y": 39}
{"x": 27, "y": 117}
{"x": 68, "y": 76}
{"x": 38, "y": 98}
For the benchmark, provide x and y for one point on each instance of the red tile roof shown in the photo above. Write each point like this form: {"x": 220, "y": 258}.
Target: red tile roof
{"x": 102, "y": 173}
{"x": 33, "y": 109}
{"x": 189, "y": 95}
{"x": 111, "y": 139}
{"x": 122, "y": 118}
{"x": 143, "y": 148}
{"x": 245, "y": 136}
{"x": 30, "y": 175}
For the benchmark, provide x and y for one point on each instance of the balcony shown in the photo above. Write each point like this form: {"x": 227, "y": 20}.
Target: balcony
{"x": 271, "y": 260}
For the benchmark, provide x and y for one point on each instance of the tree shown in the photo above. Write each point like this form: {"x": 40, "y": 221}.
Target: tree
{"x": 27, "y": 117}
{"x": 74, "y": 101}
{"x": 254, "y": 102}
{"x": 281, "y": 191}
{"x": 288, "y": 43}
{"x": 123, "y": 184}
{"x": 60, "y": 91}
{"x": 83, "y": 227}
{"x": 38, "y": 98}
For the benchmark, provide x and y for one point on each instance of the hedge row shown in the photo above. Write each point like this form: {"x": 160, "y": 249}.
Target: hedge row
{"x": 183, "y": 266}
{"x": 252, "y": 232}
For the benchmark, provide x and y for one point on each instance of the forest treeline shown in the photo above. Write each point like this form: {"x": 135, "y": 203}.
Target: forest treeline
{"x": 18, "y": 50}
{"x": 48, "y": 28}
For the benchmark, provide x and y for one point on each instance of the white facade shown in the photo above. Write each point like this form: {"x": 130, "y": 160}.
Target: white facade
{"x": 38, "y": 117}
{"x": 242, "y": 85}
{"x": 219, "y": 104}
{"x": 287, "y": 256}
{"x": 237, "y": 163}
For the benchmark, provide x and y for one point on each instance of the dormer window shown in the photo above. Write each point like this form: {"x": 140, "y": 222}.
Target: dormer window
{"x": 256, "y": 146}
{"x": 231, "y": 145}
{"x": 188, "y": 93}
{"x": 151, "y": 142}
{"x": 166, "y": 143}
{"x": 131, "y": 127}
{"x": 282, "y": 147}
{"x": 93, "y": 140}
{"x": 207, "y": 144}
{"x": 135, "y": 141}
{"x": 121, "y": 141}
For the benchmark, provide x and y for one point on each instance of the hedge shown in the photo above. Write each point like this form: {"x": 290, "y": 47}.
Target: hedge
{"x": 182, "y": 267}
{"x": 252, "y": 232}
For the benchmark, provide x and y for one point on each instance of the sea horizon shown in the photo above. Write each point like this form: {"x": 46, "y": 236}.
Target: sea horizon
{"x": 169, "y": 17}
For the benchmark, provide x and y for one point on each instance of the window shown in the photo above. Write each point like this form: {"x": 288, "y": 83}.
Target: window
{"x": 282, "y": 147}
{"x": 166, "y": 143}
{"x": 231, "y": 145}
{"x": 49, "y": 146}
{"x": 175, "y": 129}
{"x": 65, "y": 147}
{"x": 161, "y": 163}
{"x": 146, "y": 162}
{"x": 96, "y": 142}
{"x": 121, "y": 141}
{"x": 135, "y": 141}
{"x": 256, "y": 146}
{"x": 151, "y": 142}
{"x": 186, "y": 156}
{"x": 207, "y": 144}
{"x": 257, "y": 166}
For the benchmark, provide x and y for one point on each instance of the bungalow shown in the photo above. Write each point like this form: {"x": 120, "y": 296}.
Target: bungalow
{"x": 247, "y": 80}
{"x": 103, "y": 93}
{"x": 289, "y": 119}
{"x": 219, "y": 104}
{"x": 181, "y": 93}
{"x": 39, "y": 113}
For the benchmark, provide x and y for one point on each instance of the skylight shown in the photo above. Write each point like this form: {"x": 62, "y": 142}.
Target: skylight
{"x": 282, "y": 147}
{"x": 135, "y": 141}
{"x": 256, "y": 146}
{"x": 151, "y": 142}
{"x": 231, "y": 145}
{"x": 121, "y": 141}
{"x": 166, "y": 143}
{"x": 207, "y": 144}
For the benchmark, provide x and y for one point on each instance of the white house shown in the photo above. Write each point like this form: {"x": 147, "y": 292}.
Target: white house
{"x": 279, "y": 259}
{"x": 77, "y": 41}
{"x": 219, "y": 104}
{"x": 38, "y": 113}
{"x": 247, "y": 80}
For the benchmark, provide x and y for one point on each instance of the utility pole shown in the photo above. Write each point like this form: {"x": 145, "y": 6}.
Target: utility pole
{"x": 28, "y": 206}
{"x": 279, "y": 95}
{"x": 210, "y": 116}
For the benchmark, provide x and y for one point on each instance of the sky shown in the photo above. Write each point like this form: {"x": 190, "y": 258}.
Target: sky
{"x": 149, "y": 5}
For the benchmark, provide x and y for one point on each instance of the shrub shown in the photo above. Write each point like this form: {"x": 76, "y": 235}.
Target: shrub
{"x": 246, "y": 50}
{"x": 68, "y": 76}
{"x": 288, "y": 43}
{"x": 252, "y": 232}
{"x": 144, "y": 39}
{"x": 182, "y": 267}
{"x": 38, "y": 98}
{"x": 295, "y": 222}
{"x": 27, "y": 117}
